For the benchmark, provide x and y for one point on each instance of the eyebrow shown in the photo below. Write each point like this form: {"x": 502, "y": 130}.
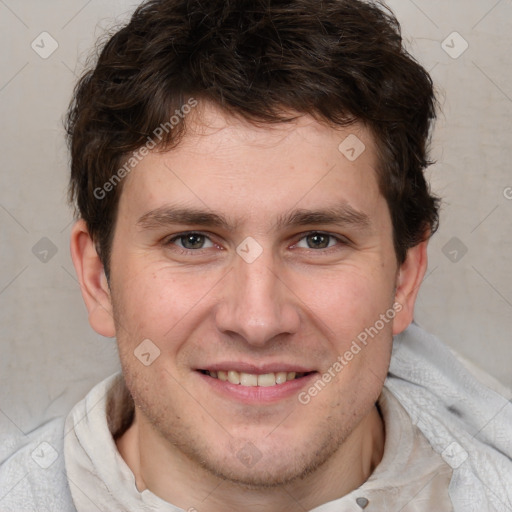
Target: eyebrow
{"x": 342, "y": 215}
{"x": 166, "y": 215}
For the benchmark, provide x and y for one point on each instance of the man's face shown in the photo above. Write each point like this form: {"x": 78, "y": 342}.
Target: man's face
{"x": 261, "y": 251}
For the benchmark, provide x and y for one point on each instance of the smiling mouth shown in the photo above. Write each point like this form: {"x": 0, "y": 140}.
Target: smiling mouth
{"x": 253, "y": 380}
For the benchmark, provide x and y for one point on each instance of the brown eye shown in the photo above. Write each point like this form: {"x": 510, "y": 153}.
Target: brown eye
{"x": 318, "y": 241}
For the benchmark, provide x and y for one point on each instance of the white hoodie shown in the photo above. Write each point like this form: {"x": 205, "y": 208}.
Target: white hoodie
{"x": 448, "y": 447}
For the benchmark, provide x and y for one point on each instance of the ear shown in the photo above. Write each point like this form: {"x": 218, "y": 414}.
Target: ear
{"x": 92, "y": 279}
{"x": 409, "y": 278}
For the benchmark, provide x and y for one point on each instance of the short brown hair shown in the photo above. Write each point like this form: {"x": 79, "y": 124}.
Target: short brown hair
{"x": 339, "y": 61}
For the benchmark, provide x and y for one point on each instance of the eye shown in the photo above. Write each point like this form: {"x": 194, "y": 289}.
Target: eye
{"x": 318, "y": 240}
{"x": 191, "y": 241}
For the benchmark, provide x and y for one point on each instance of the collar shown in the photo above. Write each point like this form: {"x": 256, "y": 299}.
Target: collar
{"x": 411, "y": 477}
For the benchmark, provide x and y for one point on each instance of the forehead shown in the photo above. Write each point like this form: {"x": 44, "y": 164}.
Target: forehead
{"x": 229, "y": 165}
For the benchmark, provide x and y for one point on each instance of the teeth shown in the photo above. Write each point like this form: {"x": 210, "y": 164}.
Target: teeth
{"x": 252, "y": 380}
{"x": 266, "y": 380}
{"x": 281, "y": 377}
{"x": 233, "y": 377}
{"x": 248, "y": 379}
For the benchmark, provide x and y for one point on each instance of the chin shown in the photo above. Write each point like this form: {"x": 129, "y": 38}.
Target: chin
{"x": 253, "y": 466}
{"x": 263, "y": 475}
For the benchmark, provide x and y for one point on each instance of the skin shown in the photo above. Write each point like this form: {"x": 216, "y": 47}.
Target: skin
{"x": 293, "y": 305}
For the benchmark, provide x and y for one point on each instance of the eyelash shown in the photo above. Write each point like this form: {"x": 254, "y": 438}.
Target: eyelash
{"x": 170, "y": 241}
{"x": 341, "y": 241}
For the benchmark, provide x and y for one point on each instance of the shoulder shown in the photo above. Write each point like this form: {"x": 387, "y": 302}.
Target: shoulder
{"x": 465, "y": 421}
{"x": 33, "y": 474}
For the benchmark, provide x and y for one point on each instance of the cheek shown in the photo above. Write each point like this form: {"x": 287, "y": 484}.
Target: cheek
{"x": 355, "y": 312}
{"x": 154, "y": 302}
{"x": 348, "y": 301}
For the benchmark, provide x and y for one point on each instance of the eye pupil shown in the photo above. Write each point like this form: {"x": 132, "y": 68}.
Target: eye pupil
{"x": 192, "y": 241}
{"x": 318, "y": 241}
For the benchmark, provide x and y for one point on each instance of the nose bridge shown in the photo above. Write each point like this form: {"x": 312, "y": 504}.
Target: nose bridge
{"x": 256, "y": 305}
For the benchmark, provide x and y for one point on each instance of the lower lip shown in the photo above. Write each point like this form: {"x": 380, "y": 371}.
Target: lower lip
{"x": 258, "y": 394}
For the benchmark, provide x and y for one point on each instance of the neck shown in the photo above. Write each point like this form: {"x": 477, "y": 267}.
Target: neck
{"x": 172, "y": 476}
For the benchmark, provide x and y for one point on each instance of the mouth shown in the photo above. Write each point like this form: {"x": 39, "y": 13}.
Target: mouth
{"x": 265, "y": 380}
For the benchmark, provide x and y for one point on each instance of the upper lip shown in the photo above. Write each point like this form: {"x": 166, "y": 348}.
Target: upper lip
{"x": 256, "y": 369}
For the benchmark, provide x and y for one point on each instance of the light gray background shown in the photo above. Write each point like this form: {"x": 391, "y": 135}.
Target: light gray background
{"x": 50, "y": 356}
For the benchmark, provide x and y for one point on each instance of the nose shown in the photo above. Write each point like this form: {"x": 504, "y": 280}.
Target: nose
{"x": 257, "y": 304}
